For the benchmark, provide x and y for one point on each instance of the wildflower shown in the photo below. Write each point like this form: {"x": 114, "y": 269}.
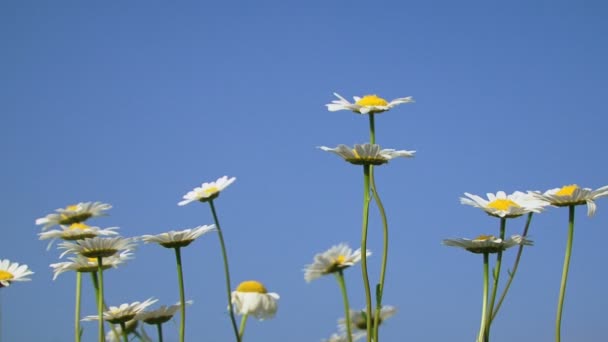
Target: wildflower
{"x": 160, "y": 315}
{"x": 573, "y": 195}
{"x": 503, "y": 206}
{"x": 181, "y": 238}
{"x": 487, "y": 243}
{"x": 123, "y": 313}
{"x": 367, "y": 154}
{"x": 252, "y": 298}
{"x": 75, "y": 213}
{"x": 80, "y": 263}
{"x": 358, "y": 319}
{"x": 98, "y": 247}
{"x": 368, "y": 104}
{"x": 333, "y": 260}
{"x": 12, "y": 271}
{"x": 207, "y": 191}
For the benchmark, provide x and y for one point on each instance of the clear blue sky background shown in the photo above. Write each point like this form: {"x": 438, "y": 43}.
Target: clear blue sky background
{"x": 134, "y": 103}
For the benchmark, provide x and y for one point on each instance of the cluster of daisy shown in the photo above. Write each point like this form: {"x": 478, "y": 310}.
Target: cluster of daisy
{"x": 506, "y": 207}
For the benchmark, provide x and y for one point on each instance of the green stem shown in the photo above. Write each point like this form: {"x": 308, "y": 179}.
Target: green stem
{"x": 96, "y": 287}
{"x": 100, "y": 298}
{"x": 372, "y": 129}
{"x": 226, "y": 270}
{"x": 159, "y": 328}
{"x": 503, "y": 223}
{"x": 123, "y": 328}
{"x": 484, "y": 308}
{"x": 380, "y": 288}
{"x": 242, "y": 327}
{"x": 77, "y": 308}
{"x": 514, "y": 269}
{"x": 368, "y": 297}
{"x": 342, "y": 283}
{"x": 562, "y": 289}
{"x": 180, "y": 279}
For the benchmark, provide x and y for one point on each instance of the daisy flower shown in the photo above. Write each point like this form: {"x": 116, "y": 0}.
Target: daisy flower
{"x": 76, "y": 231}
{"x": 182, "y": 238}
{"x": 84, "y": 264}
{"x": 367, "y": 154}
{"x": 333, "y": 260}
{"x": 115, "y": 335}
{"x": 73, "y": 214}
{"x": 160, "y": 315}
{"x": 98, "y": 247}
{"x": 123, "y": 313}
{"x": 503, "y": 206}
{"x": 358, "y": 318}
{"x": 573, "y": 195}
{"x": 252, "y": 298}
{"x": 368, "y": 104}
{"x": 487, "y": 243}
{"x": 12, "y": 271}
{"x": 344, "y": 337}
{"x": 207, "y": 191}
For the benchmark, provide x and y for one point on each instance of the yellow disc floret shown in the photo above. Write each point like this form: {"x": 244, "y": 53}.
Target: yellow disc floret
{"x": 79, "y": 225}
{"x": 567, "y": 190}
{"x": 211, "y": 190}
{"x": 5, "y": 275}
{"x": 340, "y": 259}
{"x": 484, "y": 238}
{"x": 72, "y": 207}
{"x": 502, "y": 204}
{"x": 371, "y": 101}
{"x": 251, "y": 286}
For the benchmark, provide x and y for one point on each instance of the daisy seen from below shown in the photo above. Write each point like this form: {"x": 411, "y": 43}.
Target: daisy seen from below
{"x": 506, "y": 206}
{"x": 117, "y": 334}
{"x": 252, "y": 298}
{"x": 487, "y": 243}
{"x": 76, "y": 231}
{"x": 159, "y": 316}
{"x": 573, "y": 195}
{"x": 367, "y": 154}
{"x": 338, "y": 257}
{"x": 122, "y": 314}
{"x": 207, "y": 191}
{"x": 83, "y": 264}
{"x": 359, "y": 321}
{"x": 74, "y": 214}
{"x": 98, "y": 246}
{"x": 368, "y": 104}
{"x": 12, "y": 271}
{"x": 180, "y": 238}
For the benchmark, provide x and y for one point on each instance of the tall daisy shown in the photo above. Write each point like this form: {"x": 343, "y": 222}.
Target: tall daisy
{"x": 122, "y": 314}
{"x": 368, "y": 104}
{"x": 358, "y": 319}
{"x": 76, "y": 231}
{"x": 74, "y": 213}
{"x": 367, "y": 154}
{"x": 83, "y": 264}
{"x": 252, "y": 298}
{"x": 12, "y": 271}
{"x": 177, "y": 240}
{"x": 208, "y": 192}
{"x": 502, "y": 205}
{"x": 570, "y": 196}
{"x": 161, "y": 315}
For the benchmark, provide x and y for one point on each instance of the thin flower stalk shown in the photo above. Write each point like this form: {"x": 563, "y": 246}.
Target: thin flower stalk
{"x": 226, "y": 270}
{"x": 123, "y": 329}
{"x": 159, "y": 329}
{"x": 366, "y": 201}
{"x": 342, "y": 283}
{"x": 100, "y": 298}
{"x": 513, "y": 269}
{"x": 242, "y": 326}
{"x": 77, "y": 332}
{"x": 496, "y": 275}
{"x": 380, "y": 288}
{"x": 562, "y": 289}
{"x": 182, "y": 296}
{"x": 481, "y": 337}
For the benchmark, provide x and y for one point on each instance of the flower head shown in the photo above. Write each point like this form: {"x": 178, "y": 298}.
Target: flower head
{"x": 12, "y": 271}
{"x": 503, "y": 206}
{"x": 333, "y": 260}
{"x": 487, "y": 243}
{"x": 573, "y": 195}
{"x": 80, "y": 263}
{"x": 76, "y": 231}
{"x": 115, "y": 334}
{"x": 207, "y": 191}
{"x": 252, "y": 298}
{"x": 358, "y": 319}
{"x": 98, "y": 247}
{"x": 182, "y": 238}
{"x": 160, "y": 315}
{"x": 75, "y": 213}
{"x": 123, "y": 313}
{"x": 367, "y": 154}
{"x": 368, "y": 104}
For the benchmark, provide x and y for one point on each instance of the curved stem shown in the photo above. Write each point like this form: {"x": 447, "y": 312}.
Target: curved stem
{"x": 368, "y": 297}
{"x": 159, "y": 328}
{"x": 380, "y": 288}
{"x": 77, "y": 308}
{"x": 226, "y": 270}
{"x": 182, "y": 296}
{"x": 562, "y": 289}
{"x": 342, "y": 283}
{"x": 123, "y": 329}
{"x": 484, "y": 307}
{"x": 100, "y": 299}
{"x": 242, "y": 327}
{"x": 503, "y": 223}
{"x": 514, "y": 269}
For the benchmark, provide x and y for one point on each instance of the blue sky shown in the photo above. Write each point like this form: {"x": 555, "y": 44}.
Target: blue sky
{"x": 135, "y": 103}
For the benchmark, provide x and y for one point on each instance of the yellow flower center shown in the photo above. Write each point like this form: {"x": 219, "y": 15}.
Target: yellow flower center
{"x": 251, "y": 286}
{"x": 79, "y": 225}
{"x": 484, "y": 237}
{"x": 211, "y": 190}
{"x": 371, "y": 100}
{"x": 5, "y": 275}
{"x": 340, "y": 259}
{"x": 72, "y": 207}
{"x": 567, "y": 190}
{"x": 502, "y": 204}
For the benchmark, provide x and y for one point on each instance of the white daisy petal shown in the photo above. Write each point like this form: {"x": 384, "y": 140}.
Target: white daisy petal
{"x": 367, "y": 154}
{"x": 252, "y": 298}
{"x": 369, "y": 104}
{"x": 336, "y": 258}
{"x": 12, "y": 271}
{"x": 207, "y": 191}
{"x": 180, "y": 238}
{"x": 573, "y": 195}
{"x": 506, "y": 206}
